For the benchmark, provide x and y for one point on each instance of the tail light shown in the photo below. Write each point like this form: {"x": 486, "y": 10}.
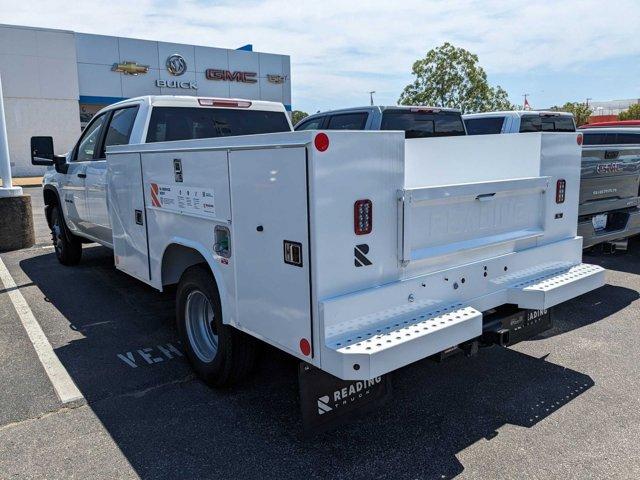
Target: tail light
{"x": 579, "y": 139}
{"x": 362, "y": 217}
{"x": 561, "y": 186}
{"x": 217, "y": 102}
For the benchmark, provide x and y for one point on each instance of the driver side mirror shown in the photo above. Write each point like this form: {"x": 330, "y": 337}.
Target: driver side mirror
{"x": 42, "y": 154}
{"x": 42, "y": 151}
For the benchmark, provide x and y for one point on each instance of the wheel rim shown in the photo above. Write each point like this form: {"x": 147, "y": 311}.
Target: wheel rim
{"x": 56, "y": 234}
{"x": 200, "y": 326}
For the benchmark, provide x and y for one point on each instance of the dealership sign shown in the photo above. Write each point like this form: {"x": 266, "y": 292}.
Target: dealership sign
{"x": 228, "y": 76}
{"x": 177, "y": 84}
{"x": 130, "y": 68}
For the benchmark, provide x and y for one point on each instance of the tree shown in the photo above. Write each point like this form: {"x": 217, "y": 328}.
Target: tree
{"x": 451, "y": 77}
{"x": 298, "y": 115}
{"x": 581, "y": 112}
{"x": 632, "y": 113}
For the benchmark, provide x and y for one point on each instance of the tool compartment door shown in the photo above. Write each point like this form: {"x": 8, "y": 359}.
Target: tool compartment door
{"x": 270, "y": 244}
{"x": 125, "y": 201}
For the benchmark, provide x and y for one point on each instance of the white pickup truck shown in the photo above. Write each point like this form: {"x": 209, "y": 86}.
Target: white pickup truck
{"x": 358, "y": 252}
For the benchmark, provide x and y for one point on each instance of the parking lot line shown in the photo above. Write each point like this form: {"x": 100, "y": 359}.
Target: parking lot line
{"x": 62, "y": 383}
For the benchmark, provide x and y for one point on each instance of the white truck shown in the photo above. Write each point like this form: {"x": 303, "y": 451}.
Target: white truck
{"x": 357, "y": 252}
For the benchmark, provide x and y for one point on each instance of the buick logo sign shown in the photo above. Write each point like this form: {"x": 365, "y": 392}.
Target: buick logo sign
{"x": 176, "y": 65}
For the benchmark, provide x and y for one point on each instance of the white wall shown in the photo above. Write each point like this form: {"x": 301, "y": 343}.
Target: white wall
{"x": 40, "y": 86}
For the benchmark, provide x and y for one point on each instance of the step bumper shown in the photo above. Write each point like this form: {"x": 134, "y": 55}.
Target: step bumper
{"x": 375, "y": 351}
{"x": 542, "y": 292}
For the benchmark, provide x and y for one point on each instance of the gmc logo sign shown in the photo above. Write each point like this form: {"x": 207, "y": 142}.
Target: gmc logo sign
{"x": 227, "y": 76}
{"x": 609, "y": 168}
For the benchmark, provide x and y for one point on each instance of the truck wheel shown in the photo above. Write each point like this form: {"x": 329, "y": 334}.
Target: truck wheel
{"x": 67, "y": 246}
{"x": 220, "y": 354}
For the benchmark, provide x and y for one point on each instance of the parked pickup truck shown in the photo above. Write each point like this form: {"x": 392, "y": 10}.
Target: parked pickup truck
{"x": 416, "y": 122}
{"x": 357, "y": 252}
{"x": 610, "y": 182}
{"x": 523, "y": 121}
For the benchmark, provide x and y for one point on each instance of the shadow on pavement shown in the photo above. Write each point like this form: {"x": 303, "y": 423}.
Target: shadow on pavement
{"x": 169, "y": 425}
{"x": 622, "y": 261}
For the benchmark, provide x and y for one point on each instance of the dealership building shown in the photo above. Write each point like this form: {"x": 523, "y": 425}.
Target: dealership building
{"x": 54, "y": 80}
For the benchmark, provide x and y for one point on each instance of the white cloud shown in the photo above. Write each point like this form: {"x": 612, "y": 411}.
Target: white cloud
{"x": 340, "y": 50}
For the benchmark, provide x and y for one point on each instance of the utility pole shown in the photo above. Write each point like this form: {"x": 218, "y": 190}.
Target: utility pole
{"x": 371, "y": 96}
{"x": 588, "y": 98}
{"x": 525, "y": 103}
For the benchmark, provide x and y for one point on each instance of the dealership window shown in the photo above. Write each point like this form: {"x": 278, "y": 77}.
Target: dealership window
{"x": 120, "y": 127}
{"x": 348, "y": 121}
{"x": 484, "y": 125}
{"x": 183, "y": 123}
{"x": 89, "y": 140}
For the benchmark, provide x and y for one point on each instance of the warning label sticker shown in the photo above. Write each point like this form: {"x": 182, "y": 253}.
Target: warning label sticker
{"x": 182, "y": 198}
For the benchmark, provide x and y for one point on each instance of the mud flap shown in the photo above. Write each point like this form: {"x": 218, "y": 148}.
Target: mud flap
{"x": 328, "y": 402}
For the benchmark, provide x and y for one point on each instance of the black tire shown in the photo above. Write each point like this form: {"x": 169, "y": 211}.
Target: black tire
{"x": 236, "y": 352}
{"x": 67, "y": 246}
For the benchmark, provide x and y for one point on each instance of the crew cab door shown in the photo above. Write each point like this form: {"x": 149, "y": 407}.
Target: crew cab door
{"x": 117, "y": 131}
{"x": 74, "y": 194}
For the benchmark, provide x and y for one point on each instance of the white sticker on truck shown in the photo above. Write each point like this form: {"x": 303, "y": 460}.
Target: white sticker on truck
{"x": 182, "y": 198}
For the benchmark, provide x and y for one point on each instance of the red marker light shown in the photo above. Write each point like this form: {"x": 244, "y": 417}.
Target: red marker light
{"x": 321, "y": 142}
{"x": 305, "y": 347}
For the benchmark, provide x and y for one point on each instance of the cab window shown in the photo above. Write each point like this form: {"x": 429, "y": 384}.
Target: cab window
{"x": 89, "y": 140}
{"x": 120, "y": 128}
{"x": 484, "y": 125}
{"x": 347, "y": 121}
{"x": 312, "y": 124}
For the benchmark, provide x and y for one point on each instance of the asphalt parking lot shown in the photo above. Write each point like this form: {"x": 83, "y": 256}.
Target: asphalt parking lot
{"x": 563, "y": 405}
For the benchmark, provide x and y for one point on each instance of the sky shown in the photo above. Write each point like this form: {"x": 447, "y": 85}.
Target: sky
{"x": 556, "y": 51}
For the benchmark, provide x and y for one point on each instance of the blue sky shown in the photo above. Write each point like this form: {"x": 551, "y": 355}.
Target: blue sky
{"x": 555, "y": 51}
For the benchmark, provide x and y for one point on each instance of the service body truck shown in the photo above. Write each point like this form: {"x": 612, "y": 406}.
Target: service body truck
{"x": 357, "y": 252}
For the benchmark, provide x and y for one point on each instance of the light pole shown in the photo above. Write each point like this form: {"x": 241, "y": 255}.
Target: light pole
{"x": 7, "y": 190}
{"x": 371, "y": 96}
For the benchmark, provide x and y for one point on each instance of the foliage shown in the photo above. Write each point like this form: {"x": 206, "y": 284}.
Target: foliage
{"x": 581, "y": 112}
{"x": 632, "y": 113}
{"x": 298, "y": 115}
{"x": 451, "y": 77}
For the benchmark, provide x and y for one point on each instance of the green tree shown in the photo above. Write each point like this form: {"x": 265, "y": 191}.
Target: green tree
{"x": 581, "y": 112}
{"x": 451, "y": 77}
{"x": 632, "y": 113}
{"x": 298, "y": 115}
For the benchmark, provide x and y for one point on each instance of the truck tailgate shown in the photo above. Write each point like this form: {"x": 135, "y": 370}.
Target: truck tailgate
{"x": 440, "y": 220}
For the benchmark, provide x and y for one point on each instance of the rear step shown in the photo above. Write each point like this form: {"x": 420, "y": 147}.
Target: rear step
{"x": 546, "y": 291}
{"x": 375, "y": 351}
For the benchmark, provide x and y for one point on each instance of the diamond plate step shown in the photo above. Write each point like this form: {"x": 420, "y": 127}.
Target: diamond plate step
{"x": 386, "y": 347}
{"x": 545, "y": 291}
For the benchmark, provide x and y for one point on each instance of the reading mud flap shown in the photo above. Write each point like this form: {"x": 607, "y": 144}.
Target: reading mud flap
{"x": 328, "y": 402}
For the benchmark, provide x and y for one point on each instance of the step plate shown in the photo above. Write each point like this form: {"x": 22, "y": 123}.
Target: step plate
{"x": 546, "y": 291}
{"x": 386, "y": 347}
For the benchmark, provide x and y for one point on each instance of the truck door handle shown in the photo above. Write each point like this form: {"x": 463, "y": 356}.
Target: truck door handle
{"x": 485, "y": 197}
{"x": 82, "y": 175}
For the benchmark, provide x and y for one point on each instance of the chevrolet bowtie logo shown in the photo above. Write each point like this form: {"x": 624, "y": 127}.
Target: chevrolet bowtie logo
{"x": 130, "y": 68}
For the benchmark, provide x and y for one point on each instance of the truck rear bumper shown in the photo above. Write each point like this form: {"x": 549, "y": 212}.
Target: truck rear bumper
{"x": 388, "y": 334}
{"x": 628, "y": 225}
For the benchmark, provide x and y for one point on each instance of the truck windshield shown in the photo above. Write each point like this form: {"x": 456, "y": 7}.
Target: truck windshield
{"x": 547, "y": 123}
{"x": 484, "y": 125}
{"x": 187, "y": 123}
{"x": 421, "y": 124}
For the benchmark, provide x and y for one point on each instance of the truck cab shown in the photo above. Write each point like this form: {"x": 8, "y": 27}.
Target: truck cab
{"x": 524, "y": 121}
{"x": 76, "y": 183}
{"x": 416, "y": 121}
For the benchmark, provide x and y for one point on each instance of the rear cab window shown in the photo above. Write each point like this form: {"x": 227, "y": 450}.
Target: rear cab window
{"x": 188, "y": 123}
{"x": 423, "y": 123}
{"x": 347, "y": 121}
{"x": 611, "y": 138}
{"x": 484, "y": 125}
{"x": 547, "y": 123}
